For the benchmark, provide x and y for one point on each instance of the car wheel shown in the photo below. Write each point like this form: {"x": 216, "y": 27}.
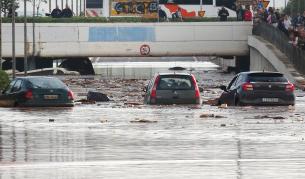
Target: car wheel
{"x": 238, "y": 103}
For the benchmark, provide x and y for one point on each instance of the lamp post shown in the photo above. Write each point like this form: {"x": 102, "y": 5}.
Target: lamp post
{"x": 25, "y": 41}
{"x": 34, "y": 47}
{"x": 13, "y": 39}
{"x": 0, "y": 35}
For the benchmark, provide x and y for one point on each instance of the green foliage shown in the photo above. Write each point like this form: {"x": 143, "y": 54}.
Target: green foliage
{"x": 4, "y": 80}
{"x": 105, "y": 20}
{"x": 295, "y": 6}
{"x": 6, "y": 5}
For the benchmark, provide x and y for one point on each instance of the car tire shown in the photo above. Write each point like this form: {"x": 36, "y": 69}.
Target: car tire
{"x": 238, "y": 102}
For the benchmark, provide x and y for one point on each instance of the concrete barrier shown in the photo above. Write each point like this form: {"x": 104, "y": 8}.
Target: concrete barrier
{"x": 131, "y": 39}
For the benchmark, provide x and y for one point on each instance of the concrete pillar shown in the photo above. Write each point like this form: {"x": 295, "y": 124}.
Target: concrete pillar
{"x": 242, "y": 63}
{"x": 106, "y": 8}
{"x": 258, "y": 62}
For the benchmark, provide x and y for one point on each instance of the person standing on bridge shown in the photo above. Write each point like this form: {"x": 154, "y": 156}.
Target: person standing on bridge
{"x": 223, "y": 14}
{"x": 67, "y": 12}
{"x": 56, "y": 13}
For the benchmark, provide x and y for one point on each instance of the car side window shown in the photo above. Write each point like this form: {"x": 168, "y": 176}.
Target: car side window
{"x": 10, "y": 87}
{"x": 239, "y": 80}
{"x": 232, "y": 82}
{"x": 235, "y": 84}
{"x": 17, "y": 86}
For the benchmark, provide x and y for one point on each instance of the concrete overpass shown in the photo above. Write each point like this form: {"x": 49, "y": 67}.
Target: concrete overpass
{"x": 131, "y": 39}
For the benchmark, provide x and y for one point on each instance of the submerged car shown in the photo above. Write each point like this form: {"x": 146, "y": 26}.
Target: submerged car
{"x": 37, "y": 91}
{"x": 258, "y": 88}
{"x": 172, "y": 88}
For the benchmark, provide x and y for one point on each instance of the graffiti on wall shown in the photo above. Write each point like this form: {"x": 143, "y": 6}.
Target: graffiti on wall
{"x": 146, "y": 8}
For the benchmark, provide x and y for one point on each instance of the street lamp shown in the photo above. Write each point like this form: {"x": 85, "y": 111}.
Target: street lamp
{"x": 33, "y": 24}
{"x": 25, "y": 41}
{"x": 0, "y": 35}
{"x": 13, "y": 39}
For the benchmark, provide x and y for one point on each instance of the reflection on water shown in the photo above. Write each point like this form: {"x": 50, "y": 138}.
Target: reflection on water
{"x": 90, "y": 141}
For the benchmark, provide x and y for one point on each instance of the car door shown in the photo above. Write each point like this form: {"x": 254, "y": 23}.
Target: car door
{"x": 147, "y": 91}
{"x": 228, "y": 97}
{"x": 6, "y": 99}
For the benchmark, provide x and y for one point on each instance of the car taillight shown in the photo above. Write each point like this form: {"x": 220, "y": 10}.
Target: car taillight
{"x": 197, "y": 92}
{"x": 70, "y": 95}
{"x": 28, "y": 94}
{"x": 154, "y": 89}
{"x": 290, "y": 87}
{"x": 247, "y": 87}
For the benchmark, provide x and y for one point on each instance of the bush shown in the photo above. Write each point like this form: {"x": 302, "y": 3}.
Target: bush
{"x": 4, "y": 80}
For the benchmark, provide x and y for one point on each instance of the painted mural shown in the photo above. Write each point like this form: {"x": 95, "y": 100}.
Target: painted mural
{"x": 145, "y": 8}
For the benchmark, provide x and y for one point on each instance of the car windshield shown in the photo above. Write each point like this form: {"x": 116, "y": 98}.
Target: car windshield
{"x": 267, "y": 77}
{"x": 175, "y": 82}
{"x": 48, "y": 83}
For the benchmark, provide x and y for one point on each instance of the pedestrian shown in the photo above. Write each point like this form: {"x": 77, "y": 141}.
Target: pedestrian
{"x": 271, "y": 19}
{"x": 287, "y": 22}
{"x": 297, "y": 20}
{"x": 56, "y": 13}
{"x": 67, "y": 13}
{"x": 281, "y": 26}
{"x": 223, "y": 14}
{"x": 177, "y": 15}
{"x": 247, "y": 14}
{"x": 239, "y": 12}
{"x": 162, "y": 15}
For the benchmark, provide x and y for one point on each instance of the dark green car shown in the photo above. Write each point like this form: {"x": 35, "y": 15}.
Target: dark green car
{"x": 37, "y": 91}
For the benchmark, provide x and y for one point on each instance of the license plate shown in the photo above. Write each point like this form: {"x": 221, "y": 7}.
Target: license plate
{"x": 50, "y": 96}
{"x": 270, "y": 100}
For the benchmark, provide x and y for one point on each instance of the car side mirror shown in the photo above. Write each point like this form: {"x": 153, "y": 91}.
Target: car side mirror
{"x": 145, "y": 89}
{"x": 200, "y": 89}
{"x": 223, "y": 87}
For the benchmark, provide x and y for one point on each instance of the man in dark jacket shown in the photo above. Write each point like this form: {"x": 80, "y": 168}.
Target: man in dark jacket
{"x": 223, "y": 14}
{"x": 66, "y": 12}
{"x": 56, "y": 13}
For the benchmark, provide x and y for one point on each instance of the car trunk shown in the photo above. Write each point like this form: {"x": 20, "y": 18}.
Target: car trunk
{"x": 176, "y": 96}
{"x": 176, "y": 89}
{"x": 50, "y": 96}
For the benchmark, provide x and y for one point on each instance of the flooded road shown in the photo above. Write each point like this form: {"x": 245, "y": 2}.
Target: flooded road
{"x": 116, "y": 140}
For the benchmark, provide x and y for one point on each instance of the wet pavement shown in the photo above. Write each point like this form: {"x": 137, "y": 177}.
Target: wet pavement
{"x": 122, "y": 140}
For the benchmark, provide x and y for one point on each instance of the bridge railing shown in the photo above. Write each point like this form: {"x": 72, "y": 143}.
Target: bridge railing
{"x": 280, "y": 40}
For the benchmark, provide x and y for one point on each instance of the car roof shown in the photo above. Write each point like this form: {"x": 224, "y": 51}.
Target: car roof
{"x": 260, "y": 72}
{"x": 36, "y": 77}
{"x": 174, "y": 73}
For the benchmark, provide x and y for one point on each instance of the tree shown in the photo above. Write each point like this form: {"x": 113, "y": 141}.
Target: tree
{"x": 7, "y": 5}
{"x": 37, "y": 4}
{"x": 295, "y": 6}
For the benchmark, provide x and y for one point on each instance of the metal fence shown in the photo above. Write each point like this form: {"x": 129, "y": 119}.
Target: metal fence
{"x": 275, "y": 36}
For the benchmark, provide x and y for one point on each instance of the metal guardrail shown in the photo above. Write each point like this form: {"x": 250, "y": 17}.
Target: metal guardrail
{"x": 280, "y": 40}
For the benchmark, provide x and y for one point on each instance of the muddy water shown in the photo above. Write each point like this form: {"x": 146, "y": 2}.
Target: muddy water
{"x": 105, "y": 141}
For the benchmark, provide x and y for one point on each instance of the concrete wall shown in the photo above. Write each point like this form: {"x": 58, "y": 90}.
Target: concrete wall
{"x": 126, "y": 39}
{"x": 258, "y": 62}
{"x": 265, "y": 56}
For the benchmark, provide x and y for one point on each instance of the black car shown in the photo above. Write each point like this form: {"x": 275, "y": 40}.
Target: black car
{"x": 258, "y": 88}
{"x": 36, "y": 91}
{"x": 172, "y": 88}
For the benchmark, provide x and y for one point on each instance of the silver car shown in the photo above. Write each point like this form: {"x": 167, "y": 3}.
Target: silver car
{"x": 172, "y": 88}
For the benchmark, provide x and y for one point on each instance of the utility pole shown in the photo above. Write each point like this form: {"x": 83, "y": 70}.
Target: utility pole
{"x": 50, "y": 6}
{"x": 0, "y": 35}
{"x": 62, "y": 4}
{"x": 34, "y": 41}
{"x": 85, "y": 8}
{"x": 13, "y": 39}
{"x": 25, "y": 41}
{"x": 80, "y": 7}
{"x": 72, "y": 7}
{"x": 76, "y": 7}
